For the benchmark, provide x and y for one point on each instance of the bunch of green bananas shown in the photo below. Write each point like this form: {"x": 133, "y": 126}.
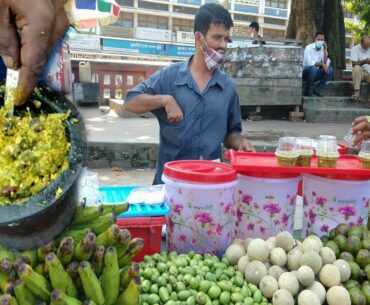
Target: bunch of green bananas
{"x": 89, "y": 264}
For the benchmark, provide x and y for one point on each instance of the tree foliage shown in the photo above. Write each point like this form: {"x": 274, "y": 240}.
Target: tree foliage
{"x": 361, "y": 9}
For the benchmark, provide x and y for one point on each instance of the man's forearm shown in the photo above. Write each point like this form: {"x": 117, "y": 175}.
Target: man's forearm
{"x": 359, "y": 63}
{"x": 145, "y": 103}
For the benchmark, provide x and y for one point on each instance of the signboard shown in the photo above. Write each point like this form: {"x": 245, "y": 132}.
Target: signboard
{"x": 134, "y": 46}
{"x": 153, "y": 34}
{"x": 84, "y": 42}
{"x": 182, "y": 51}
{"x": 185, "y": 37}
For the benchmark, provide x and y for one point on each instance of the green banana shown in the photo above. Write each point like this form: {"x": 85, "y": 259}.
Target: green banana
{"x": 35, "y": 282}
{"x": 88, "y": 302}
{"x": 123, "y": 241}
{"x": 116, "y": 208}
{"x": 6, "y": 283}
{"x": 58, "y": 297}
{"x": 109, "y": 236}
{"x": 65, "y": 250}
{"x": 110, "y": 276}
{"x": 134, "y": 247}
{"x": 90, "y": 283}
{"x": 7, "y": 299}
{"x": 41, "y": 269}
{"x": 100, "y": 224}
{"x": 30, "y": 256}
{"x": 59, "y": 278}
{"x": 76, "y": 234}
{"x": 72, "y": 270}
{"x": 6, "y": 260}
{"x": 23, "y": 295}
{"x": 97, "y": 261}
{"x": 131, "y": 295}
{"x": 20, "y": 260}
{"x": 85, "y": 248}
{"x": 86, "y": 214}
{"x": 128, "y": 272}
{"x": 44, "y": 249}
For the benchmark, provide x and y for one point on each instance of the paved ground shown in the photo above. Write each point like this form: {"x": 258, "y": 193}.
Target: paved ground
{"x": 110, "y": 128}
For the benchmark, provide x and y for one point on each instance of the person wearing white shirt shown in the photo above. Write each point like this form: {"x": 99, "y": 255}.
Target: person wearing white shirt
{"x": 360, "y": 57}
{"x": 316, "y": 65}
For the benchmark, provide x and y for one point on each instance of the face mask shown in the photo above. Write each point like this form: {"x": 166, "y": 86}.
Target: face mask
{"x": 212, "y": 58}
{"x": 319, "y": 44}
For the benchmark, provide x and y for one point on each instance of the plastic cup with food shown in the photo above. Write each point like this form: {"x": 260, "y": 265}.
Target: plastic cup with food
{"x": 364, "y": 154}
{"x": 327, "y": 152}
{"x": 287, "y": 152}
{"x": 305, "y": 151}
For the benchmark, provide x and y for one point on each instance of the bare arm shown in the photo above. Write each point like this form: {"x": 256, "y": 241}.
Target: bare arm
{"x": 361, "y": 62}
{"x": 233, "y": 141}
{"x": 146, "y": 102}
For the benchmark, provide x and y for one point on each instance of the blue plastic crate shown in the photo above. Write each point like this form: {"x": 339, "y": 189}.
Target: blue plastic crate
{"x": 114, "y": 194}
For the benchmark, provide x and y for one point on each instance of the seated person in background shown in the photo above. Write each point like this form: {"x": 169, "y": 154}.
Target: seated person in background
{"x": 316, "y": 65}
{"x": 361, "y": 128}
{"x": 255, "y": 27}
{"x": 360, "y": 57}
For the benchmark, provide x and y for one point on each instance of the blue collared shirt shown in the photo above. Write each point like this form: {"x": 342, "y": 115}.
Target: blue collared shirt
{"x": 209, "y": 116}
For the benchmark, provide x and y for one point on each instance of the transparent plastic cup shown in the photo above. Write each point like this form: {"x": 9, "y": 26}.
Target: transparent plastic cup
{"x": 364, "y": 154}
{"x": 327, "y": 152}
{"x": 349, "y": 137}
{"x": 305, "y": 151}
{"x": 327, "y": 137}
{"x": 287, "y": 152}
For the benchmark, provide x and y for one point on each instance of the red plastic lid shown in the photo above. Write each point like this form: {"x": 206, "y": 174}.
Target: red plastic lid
{"x": 342, "y": 148}
{"x": 200, "y": 171}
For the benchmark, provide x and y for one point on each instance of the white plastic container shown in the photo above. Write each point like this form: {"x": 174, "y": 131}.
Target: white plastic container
{"x": 265, "y": 206}
{"x": 328, "y": 202}
{"x": 201, "y": 195}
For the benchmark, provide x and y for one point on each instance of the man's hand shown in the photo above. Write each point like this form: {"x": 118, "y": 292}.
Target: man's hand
{"x": 233, "y": 141}
{"x": 173, "y": 110}
{"x": 40, "y": 23}
{"x": 325, "y": 67}
{"x": 361, "y": 129}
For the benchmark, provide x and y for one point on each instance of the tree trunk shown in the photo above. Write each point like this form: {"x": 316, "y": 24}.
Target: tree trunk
{"x": 335, "y": 37}
{"x": 309, "y": 16}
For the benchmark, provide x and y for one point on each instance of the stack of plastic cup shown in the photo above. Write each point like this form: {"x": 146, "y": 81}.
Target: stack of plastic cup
{"x": 364, "y": 154}
{"x": 327, "y": 151}
{"x": 287, "y": 152}
{"x": 305, "y": 150}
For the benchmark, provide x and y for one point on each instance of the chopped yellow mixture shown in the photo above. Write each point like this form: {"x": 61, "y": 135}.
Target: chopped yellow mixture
{"x": 33, "y": 152}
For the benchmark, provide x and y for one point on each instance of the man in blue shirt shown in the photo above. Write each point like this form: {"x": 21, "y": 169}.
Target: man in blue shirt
{"x": 196, "y": 104}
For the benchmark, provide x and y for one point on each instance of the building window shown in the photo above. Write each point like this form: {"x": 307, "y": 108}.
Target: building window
{"x": 185, "y": 10}
{"x": 95, "y": 78}
{"x": 118, "y": 94}
{"x": 125, "y": 20}
{"x": 183, "y": 25}
{"x": 273, "y": 33}
{"x": 245, "y": 18}
{"x": 125, "y": 3}
{"x": 276, "y": 3}
{"x": 106, "y": 79}
{"x": 153, "y": 6}
{"x": 106, "y": 93}
{"x": 130, "y": 80}
{"x": 274, "y": 21}
{"x": 152, "y": 21}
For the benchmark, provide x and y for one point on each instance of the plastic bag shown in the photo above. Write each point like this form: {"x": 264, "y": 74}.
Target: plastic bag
{"x": 88, "y": 187}
{"x": 152, "y": 195}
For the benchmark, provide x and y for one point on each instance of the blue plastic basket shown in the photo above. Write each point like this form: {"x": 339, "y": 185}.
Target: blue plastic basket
{"x": 115, "y": 194}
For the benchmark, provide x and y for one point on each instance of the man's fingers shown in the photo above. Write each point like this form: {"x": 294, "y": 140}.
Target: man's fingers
{"x": 361, "y": 126}
{"x": 9, "y": 42}
{"x": 360, "y": 138}
{"x": 358, "y": 120}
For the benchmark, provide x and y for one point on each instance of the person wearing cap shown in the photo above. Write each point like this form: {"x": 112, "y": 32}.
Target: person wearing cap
{"x": 361, "y": 129}
{"x": 316, "y": 66}
{"x": 255, "y": 27}
{"x": 40, "y": 24}
{"x": 360, "y": 57}
{"x": 196, "y": 104}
